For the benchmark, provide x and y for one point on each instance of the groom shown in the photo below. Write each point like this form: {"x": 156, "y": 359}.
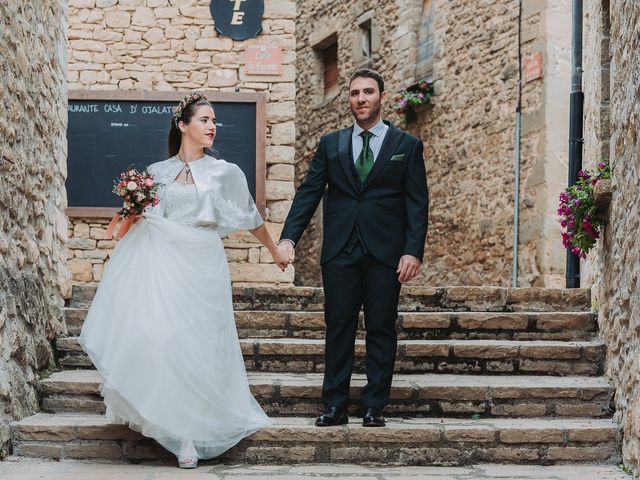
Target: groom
{"x": 375, "y": 223}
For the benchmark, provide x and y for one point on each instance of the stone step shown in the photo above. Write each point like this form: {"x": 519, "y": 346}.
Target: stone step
{"x": 414, "y": 356}
{"x": 426, "y": 394}
{"x": 426, "y": 441}
{"x": 24, "y": 468}
{"x": 413, "y": 299}
{"x": 410, "y": 325}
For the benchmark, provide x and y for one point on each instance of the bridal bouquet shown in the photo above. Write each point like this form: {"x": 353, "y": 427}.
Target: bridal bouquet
{"x": 138, "y": 192}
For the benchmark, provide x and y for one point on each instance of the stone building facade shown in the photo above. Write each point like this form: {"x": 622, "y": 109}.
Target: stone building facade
{"x": 612, "y": 130}
{"x": 470, "y": 50}
{"x": 163, "y": 45}
{"x": 33, "y": 227}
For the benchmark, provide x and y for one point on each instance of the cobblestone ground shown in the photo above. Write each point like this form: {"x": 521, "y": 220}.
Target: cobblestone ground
{"x": 31, "y": 469}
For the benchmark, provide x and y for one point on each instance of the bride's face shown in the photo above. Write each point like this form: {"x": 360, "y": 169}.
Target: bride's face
{"x": 201, "y": 129}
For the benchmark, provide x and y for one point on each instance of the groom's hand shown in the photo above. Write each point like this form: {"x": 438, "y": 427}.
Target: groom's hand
{"x": 286, "y": 246}
{"x": 408, "y": 268}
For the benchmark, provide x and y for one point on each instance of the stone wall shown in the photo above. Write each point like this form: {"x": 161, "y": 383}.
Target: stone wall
{"x": 613, "y": 266}
{"x": 33, "y": 227}
{"x": 468, "y": 130}
{"x": 169, "y": 45}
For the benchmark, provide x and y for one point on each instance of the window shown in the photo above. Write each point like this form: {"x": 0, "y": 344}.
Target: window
{"x": 331, "y": 74}
{"x": 365, "y": 41}
{"x": 426, "y": 51}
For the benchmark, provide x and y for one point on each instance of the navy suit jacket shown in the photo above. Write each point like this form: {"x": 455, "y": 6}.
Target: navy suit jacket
{"x": 390, "y": 206}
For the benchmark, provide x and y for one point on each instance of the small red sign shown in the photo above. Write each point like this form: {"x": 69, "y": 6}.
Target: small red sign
{"x": 532, "y": 67}
{"x": 263, "y": 60}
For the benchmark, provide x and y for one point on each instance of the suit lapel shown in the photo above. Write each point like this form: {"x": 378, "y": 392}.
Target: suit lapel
{"x": 389, "y": 145}
{"x": 346, "y": 158}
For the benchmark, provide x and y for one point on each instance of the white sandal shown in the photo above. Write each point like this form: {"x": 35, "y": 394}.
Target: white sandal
{"x": 187, "y": 462}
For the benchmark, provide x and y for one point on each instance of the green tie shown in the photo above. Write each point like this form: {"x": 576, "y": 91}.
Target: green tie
{"x": 365, "y": 159}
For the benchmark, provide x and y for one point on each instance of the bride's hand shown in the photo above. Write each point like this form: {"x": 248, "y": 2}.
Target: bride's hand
{"x": 280, "y": 257}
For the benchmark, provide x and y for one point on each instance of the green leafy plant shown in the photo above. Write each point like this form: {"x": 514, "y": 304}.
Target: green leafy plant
{"x": 411, "y": 97}
{"x": 577, "y": 211}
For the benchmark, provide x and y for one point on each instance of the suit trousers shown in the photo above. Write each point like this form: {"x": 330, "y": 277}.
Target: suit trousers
{"x": 355, "y": 279}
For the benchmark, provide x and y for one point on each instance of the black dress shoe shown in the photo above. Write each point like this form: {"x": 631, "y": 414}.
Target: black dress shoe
{"x": 372, "y": 418}
{"x": 333, "y": 416}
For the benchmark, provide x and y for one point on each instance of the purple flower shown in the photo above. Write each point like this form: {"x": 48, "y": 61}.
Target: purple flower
{"x": 601, "y": 165}
{"x": 583, "y": 174}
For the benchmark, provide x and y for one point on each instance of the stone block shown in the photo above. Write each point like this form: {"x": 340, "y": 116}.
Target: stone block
{"x": 278, "y": 210}
{"x": 280, "y": 154}
{"x": 80, "y": 269}
{"x": 260, "y": 273}
{"x": 202, "y": 13}
{"x": 279, "y": 190}
{"x": 580, "y": 454}
{"x": 283, "y": 133}
{"x": 280, "y": 9}
{"x": 144, "y": 17}
{"x": 493, "y": 321}
{"x": 282, "y": 91}
{"x": 117, "y": 19}
{"x": 580, "y": 410}
{"x": 485, "y": 351}
{"x": 519, "y": 410}
{"x": 425, "y": 320}
{"x": 467, "y": 434}
{"x": 593, "y": 435}
{"x": 214, "y": 44}
{"x": 38, "y": 450}
{"x": 280, "y": 111}
{"x": 452, "y": 392}
{"x": 511, "y": 454}
{"x": 220, "y": 77}
{"x": 104, "y": 450}
{"x": 81, "y": 244}
{"x": 526, "y": 435}
{"x": 281, "y": 172}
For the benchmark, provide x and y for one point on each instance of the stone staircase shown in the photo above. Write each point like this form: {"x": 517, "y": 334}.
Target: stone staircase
{"x": 483, "y": 374}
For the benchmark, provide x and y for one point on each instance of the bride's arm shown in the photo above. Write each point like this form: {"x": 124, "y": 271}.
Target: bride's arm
{"x": 263, "y": 236}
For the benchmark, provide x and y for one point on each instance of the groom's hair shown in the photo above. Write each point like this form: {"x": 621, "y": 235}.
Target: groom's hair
{"x": 368, "y": 73}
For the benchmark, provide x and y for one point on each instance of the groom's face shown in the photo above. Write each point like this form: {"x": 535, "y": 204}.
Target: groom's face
{"x": 365, "y": 100}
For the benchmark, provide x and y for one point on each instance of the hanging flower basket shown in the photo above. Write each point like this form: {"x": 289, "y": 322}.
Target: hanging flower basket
{"x": 412, "y": 99}
{"x": 579, "y": 212}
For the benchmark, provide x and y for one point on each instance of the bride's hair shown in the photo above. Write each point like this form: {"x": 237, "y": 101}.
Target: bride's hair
{"x": 183, "y": 112}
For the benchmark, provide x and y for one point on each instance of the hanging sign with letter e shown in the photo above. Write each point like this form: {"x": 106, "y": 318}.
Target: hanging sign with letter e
{"x": 238, "y": 19}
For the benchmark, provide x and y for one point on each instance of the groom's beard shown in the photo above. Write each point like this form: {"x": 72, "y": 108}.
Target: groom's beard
{"x": 368, "y": 116}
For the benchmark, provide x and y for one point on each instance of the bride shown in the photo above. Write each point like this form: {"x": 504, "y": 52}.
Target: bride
{"x": 161, "y": 329}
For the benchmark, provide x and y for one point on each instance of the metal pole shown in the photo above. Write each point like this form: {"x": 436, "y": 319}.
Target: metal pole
{"x": 516, "y": 160}
{"x": 575, "y": 127}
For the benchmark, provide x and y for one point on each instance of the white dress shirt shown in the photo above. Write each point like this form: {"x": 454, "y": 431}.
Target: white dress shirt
{"x": 379, "y": 131}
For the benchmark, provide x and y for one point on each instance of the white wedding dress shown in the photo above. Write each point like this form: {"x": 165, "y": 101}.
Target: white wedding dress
{"x": 162, "y": 333}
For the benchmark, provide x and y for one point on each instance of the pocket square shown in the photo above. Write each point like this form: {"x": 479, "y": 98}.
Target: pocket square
{"x": 398, "y": 158}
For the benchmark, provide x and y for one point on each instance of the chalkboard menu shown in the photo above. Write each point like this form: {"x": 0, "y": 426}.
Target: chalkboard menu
{"x": 109, "y": 131}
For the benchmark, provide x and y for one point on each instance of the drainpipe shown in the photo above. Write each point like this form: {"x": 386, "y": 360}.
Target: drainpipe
{"x": 575, "y": 127}
{"x": 516, "y": 158}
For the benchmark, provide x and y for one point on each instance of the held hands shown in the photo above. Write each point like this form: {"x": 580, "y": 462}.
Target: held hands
{"x": 283, "y": 254}
{"x": 408, "y": 268}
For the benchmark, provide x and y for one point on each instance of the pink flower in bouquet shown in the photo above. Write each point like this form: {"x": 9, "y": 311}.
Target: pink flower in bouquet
{"x": 148, "y": 182}
{"x": 132, "y": 185}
